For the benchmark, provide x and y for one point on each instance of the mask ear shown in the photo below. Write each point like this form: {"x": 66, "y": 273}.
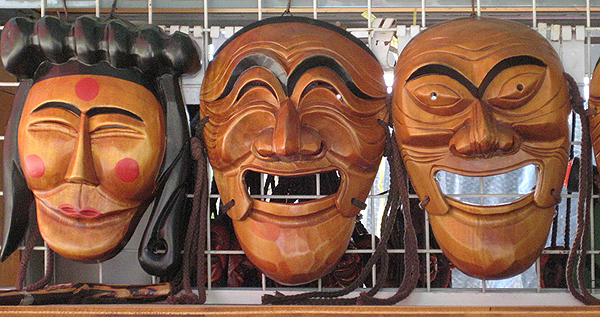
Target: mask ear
{"x": 160, "y": 248}
{"x": 18, "y": 199}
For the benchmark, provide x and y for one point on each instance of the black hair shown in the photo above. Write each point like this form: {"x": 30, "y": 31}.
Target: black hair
{"x": 26, "y": 44}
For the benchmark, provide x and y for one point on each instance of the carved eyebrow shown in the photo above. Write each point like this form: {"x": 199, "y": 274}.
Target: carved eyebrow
{"x": 439, "y": 69}
{"x": 251, "y": 61}
{"x": 477, "y": 92}
{"x": 59, "y": 105}
{"x": 112, "y": 110}
{"x": 508, "y": 63}
{"x": 327, "y": 62}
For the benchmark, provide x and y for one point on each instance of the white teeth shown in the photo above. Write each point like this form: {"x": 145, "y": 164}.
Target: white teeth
{"x": 491, "y": 190}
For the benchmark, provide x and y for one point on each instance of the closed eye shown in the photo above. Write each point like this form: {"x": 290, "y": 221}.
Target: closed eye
{"x": 52, "y": 126}
{"x": 319, "y": 84}
{"x": 253, "y": 84}
{"x": 115, "y": 131}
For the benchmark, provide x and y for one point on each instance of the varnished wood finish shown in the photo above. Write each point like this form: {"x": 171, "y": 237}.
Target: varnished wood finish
{"x": 92, "y": 171}
{"x": 479, "y": 104}
{"x": 294, "y": 97}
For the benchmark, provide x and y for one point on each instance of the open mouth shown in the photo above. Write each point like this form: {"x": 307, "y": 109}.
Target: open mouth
{"x": 291, "y": 189}
{"x": 493, "y": 190}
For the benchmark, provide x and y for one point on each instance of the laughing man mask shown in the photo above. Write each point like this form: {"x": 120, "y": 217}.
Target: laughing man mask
{"x": 480, "y": 104}
{"x": 293, "y": 98}
{"x": 97, "y": 134}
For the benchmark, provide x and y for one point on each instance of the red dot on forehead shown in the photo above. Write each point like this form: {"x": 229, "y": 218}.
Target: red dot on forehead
{"x": 34, "y": 166}
{"x": 127, "y": 170}
{"x": 87, "y": 89}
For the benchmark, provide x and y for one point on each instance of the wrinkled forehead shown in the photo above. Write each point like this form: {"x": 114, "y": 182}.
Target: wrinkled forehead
{"x": 285, "y": 47}
{"x": 474, "y": 46}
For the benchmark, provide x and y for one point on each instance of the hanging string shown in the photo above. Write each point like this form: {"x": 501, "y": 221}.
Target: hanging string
{"x": 113, "y": 9}
{"x": 411, "y": 257}
{"x": 473, "y": 14}
{"x": 31, "y": 236}
{"x": 288, "y": 8}
{"x": 195, "y": 241}
{"x": 554, "y": 228}
{"x": 578, "y": 252}
{"x": 64, "y": 3}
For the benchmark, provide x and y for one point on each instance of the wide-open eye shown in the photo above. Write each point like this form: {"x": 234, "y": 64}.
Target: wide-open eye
{"x": 439, "y": 95}
{"x": 515, "y": 86}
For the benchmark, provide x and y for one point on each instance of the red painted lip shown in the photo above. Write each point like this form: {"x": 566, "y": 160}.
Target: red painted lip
{"x": 69, "y": 210}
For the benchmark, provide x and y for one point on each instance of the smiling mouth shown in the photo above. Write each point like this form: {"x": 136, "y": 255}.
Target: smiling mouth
{"x": 501, "y": 189}
{"x": 291, "y": 189}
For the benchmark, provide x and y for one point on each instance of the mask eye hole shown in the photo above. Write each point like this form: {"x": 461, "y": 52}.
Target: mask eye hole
{"x": 515, "y": 87}
{"x": 439, "y": 95}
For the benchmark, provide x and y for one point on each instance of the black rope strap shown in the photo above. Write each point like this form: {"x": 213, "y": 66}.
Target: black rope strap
{"x": 578, "y": 252}
{"x": 31, "y": 236}
{"x": 195, "y": 242}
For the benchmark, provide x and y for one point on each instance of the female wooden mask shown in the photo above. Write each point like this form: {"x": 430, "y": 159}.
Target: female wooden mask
{"x": 97, "y": 134}
{"x": 292, "y": 98}
{"x": 481, "y": 104}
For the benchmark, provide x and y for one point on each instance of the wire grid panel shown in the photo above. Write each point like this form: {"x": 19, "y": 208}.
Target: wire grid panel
{"x": 464, "y": 290}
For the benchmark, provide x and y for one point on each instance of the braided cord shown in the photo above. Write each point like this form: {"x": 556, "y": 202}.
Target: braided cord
{"x": 578, "y": 252}
{"x": 195, "y": 242}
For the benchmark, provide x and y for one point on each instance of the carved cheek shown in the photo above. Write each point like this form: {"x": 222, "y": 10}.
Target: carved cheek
{"x": 34, "y": 166}
{"x": 127, "y": 170}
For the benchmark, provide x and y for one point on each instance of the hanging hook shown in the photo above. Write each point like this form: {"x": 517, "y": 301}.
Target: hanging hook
{"x": 66, "y": 10}
{"x": 287, "y": 9}
{"x": 113, "y": 8}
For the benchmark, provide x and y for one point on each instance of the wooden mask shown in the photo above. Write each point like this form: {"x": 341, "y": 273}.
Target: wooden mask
{"x": 292, "y": 98}
{"x": 481, "y": 104}
{"x": 87, "y": 139}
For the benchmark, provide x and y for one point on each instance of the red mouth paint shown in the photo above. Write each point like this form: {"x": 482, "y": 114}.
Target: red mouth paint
{"x": 70, "y": 210}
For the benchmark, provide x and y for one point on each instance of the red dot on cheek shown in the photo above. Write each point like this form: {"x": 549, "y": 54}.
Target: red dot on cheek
{"x": 34, "y": 166}
{"x": 127, "y": 170}
{"x": 87, "y": 89}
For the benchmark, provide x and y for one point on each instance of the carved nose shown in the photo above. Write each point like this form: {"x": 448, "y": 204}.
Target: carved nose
{"x": 288, "y": 137}
{"x": 483, "y": 136}
{"x": 81, "y": 166}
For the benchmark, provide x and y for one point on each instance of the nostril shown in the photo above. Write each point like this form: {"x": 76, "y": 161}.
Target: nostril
{"x": 311, "y": 142}
{"x": 263, "y": 144}
{"x": 312, "y": 149}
